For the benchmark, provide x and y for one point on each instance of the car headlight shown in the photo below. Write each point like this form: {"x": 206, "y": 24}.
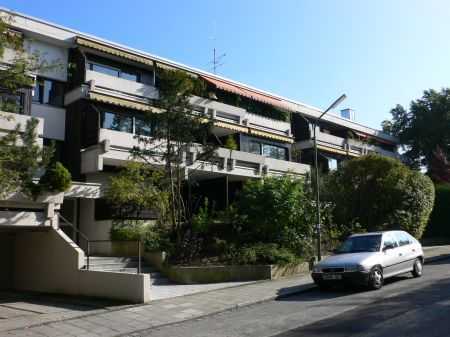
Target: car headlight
{"x": 354, "y": 267}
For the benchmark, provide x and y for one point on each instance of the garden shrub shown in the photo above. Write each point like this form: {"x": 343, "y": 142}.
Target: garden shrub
{"x": 263, "y": 253}
{"x": 56, "y": 178}
{"x": 276, "y": 210}
{"x": 374, "y": 193}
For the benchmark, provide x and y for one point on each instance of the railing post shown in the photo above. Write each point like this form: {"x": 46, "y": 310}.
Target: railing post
{"x": 88, "y": 253}
{"x": 139, "y": 256}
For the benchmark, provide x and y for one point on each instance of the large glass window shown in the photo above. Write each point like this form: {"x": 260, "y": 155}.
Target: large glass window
{"x": 116, "y": 72}
{"x": 48, "y": 92}
{"x": 117, "y": 122}
{"x": 254, "y": 147}
{"x": 100, "y": 68}
{"x": 142, "y": 127}
{"x": 273, "y": 151}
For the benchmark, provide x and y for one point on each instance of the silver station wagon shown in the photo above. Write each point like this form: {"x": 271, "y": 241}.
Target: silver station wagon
{"x": 367, "y": 259}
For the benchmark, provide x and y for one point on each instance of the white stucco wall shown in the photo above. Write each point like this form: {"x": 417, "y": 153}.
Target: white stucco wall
{"x": 51, "y": 55}
{"x": 54, "y": 120}
{"x": 49, "y": 261}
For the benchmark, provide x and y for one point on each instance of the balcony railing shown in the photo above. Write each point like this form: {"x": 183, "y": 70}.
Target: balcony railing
{"x": 231, "y": 114}
{"x": 114, "y": 150}
{"x": 121, "y": 85}
{"x": 346, "y": 145}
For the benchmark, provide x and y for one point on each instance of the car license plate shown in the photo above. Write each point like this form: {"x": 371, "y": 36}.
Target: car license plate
{"x": 332, "y": 277}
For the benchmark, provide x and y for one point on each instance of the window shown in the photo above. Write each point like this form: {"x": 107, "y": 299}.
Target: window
{"x": 403, "y": 239}
{"x": 142, "y": 127}
{"x": 358, "y": 244}
{"x": 389, "y": 239}
{"x": 107, "y": 70}
{"x": 129, "y": 76}
{"x": 273, "y": 151}
{"x": 48, "y": 92}
{"x": 254, "y": 147}
{"x": 117, "y": 122}
{"x": 115, "y": 71}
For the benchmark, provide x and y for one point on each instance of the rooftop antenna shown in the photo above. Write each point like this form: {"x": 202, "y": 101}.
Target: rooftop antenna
{"x": 217, "y": 60}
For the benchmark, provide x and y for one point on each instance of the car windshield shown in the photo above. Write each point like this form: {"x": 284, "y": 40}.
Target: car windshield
{"x": 358, "y": 244}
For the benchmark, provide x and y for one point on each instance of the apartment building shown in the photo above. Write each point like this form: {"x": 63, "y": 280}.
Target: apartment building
{"x": 92, "y": 105}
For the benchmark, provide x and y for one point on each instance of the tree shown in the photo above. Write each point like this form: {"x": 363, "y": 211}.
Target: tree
{"x": 176, "y": 129}
{"x": 21, "y": 157}
{"x": 276, "y": 210}
{"x": 373, "y": 193}
{"x": 423, "y": 128}
{"x": 136, "y": 188}
{"x": 440, "y": 167}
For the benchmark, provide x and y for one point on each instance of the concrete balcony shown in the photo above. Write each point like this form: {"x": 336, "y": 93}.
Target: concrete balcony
{"x": 8, "y": 122}
{"x": 344, "y": 146}
{"x": 231, "y": 114}
{"x": 121, "y": 86}
{"x": 267, "y": 124}
{"x": 114, "y": 146}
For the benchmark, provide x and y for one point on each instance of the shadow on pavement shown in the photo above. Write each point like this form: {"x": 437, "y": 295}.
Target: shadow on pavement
{"x": 43, "y": 303}
{"x": 422, "y": 312}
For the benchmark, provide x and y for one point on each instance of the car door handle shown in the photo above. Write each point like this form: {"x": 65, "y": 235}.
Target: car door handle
{"x": 400, "y": 254}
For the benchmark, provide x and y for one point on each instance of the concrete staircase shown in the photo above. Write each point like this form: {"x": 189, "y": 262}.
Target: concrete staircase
{"x": 125, "y": 265}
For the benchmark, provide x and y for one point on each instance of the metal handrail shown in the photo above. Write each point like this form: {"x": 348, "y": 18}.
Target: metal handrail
{"x": 88, "y": 248}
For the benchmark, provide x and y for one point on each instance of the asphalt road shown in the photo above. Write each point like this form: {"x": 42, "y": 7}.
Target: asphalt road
{"x": 403, "y": 307}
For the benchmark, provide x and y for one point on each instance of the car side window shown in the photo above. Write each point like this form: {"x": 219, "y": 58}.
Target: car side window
{"x": 403, "y": 239}
{"x": 389, "y": 240}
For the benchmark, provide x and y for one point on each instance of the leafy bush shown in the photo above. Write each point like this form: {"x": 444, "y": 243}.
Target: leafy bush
{"x": 263, "y": 253}
{"x": 56, "y": 178}
{"x": 276, "y": 210}
{"x": 439, "y": 225}
{"x": 153, "y": 236}
{"x": 373, "y": 193}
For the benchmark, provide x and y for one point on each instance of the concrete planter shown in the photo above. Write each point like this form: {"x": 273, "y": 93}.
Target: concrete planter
{"x": 115, "y": 248}
{"x": 43, "y": 198}
{"x": 223, "y": 273}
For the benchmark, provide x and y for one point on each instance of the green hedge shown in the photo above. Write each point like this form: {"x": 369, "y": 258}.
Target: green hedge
{"x": 439, "y": 224}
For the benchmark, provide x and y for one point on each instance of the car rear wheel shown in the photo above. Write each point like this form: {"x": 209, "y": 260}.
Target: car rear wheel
{"x": 417, "y": 268}
{"x": 376, "y": 278}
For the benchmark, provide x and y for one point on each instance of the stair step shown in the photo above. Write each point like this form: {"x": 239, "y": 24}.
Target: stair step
{"x": 101, "y": 259}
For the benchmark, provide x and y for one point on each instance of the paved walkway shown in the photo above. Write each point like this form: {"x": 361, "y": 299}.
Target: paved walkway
{"x": 123, "y": 320}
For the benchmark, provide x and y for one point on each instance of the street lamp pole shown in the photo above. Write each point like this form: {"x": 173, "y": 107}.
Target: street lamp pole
{"x": 316, "y": 166}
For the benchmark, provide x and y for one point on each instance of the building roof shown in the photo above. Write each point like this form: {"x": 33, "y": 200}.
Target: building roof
{"x": 67, "y": 36}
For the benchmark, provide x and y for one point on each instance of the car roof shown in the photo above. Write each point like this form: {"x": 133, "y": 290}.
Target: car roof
{"x": 377, "y": 233}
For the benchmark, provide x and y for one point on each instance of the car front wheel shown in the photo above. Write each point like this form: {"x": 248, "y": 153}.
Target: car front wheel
{"x": 417, "y": 268}
{"x": 376, "y": 278}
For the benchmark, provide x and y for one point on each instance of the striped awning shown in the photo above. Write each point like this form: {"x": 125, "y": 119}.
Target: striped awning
{"x": 337, "y": 151}
{"x": 121, "y": 102}
{"x": 113, "y": 51}
{"x": 230, "y": 126}
{"x": 269, "y": 135}
{"x": 246, "y": 92}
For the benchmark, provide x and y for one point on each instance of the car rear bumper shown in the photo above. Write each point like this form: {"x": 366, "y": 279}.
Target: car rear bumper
{"x": 354, "y": 278}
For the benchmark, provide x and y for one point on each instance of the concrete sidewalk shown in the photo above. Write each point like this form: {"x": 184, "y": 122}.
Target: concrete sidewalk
{"x": 113, "y": 321}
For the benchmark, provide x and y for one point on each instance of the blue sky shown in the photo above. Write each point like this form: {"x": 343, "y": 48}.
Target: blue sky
{"x": 379, "y": 53}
